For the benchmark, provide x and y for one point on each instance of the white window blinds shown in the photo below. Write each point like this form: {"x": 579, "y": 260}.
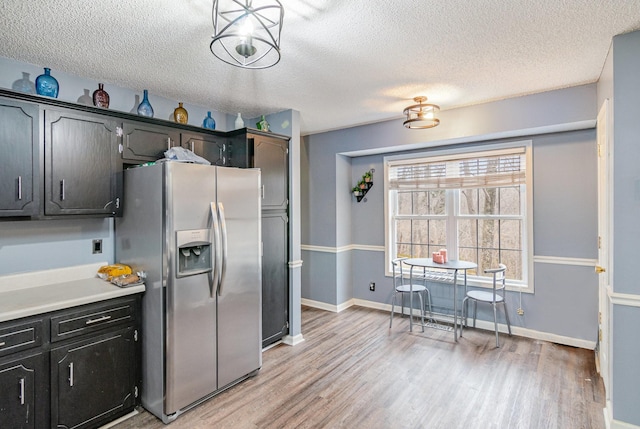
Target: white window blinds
{"x": 471, "y": 170}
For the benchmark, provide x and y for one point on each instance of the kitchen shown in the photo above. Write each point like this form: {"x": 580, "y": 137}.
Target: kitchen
{"x": 36, "y": 245}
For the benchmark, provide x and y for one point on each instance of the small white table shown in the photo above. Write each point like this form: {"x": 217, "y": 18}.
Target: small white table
{"x": 454, "y": 266}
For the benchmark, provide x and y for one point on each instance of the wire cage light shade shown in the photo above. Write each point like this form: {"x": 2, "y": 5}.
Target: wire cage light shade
{"x": 421, "y": 115}
{"x": 246, "y": 33}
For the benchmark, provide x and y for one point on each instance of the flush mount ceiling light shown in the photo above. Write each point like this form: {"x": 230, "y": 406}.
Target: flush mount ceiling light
{"x": 421, "y": 115}
{"x": 247, "y": 32}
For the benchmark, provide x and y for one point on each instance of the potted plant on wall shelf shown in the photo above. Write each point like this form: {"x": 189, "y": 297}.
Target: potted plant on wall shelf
{"x": 356, "y": 191}
{"x": 368, "y": 177}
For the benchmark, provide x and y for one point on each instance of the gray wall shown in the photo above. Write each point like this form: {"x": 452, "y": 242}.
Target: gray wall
{"x": 40, "y": 245}
{"x": 565, "y": 202}
{"x": 621, "y": 85}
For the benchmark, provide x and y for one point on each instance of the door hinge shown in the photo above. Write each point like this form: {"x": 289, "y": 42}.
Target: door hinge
{"x": 286, "y": 219}
{"x": 286, "y": 324}
{"x": 600, "y": 317}
{"x": 286, "y": 151}
{"x": 120, "y": 148}
{"x": 287, "y": 201}
{"x": 135, "y": 391}
{"x": 119, "y": 132}
{"x": 599, "y": 242}
{"x": 600, "y": 334}
{"x": 135, "y": 335}
{"x": 599, "y": 151}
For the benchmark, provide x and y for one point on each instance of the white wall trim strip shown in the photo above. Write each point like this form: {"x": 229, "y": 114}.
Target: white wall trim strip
{"x": 627, "y": 299}
{"x": 296, "y": 264}
{"x": 617, "y": 424}
{"x": 560, "y": 260}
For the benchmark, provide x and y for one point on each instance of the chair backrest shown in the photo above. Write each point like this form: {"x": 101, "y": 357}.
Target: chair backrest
{"x": 398, "y": 277}
{"x": 499, "y": 280}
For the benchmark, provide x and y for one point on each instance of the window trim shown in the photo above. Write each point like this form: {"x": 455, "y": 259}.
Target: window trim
{"x": 528, "y": 281}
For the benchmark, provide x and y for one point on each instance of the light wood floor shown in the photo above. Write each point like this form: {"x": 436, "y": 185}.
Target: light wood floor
{"x": 353, "y": 372}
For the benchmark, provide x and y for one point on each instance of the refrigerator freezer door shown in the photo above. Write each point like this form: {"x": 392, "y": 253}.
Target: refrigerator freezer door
{"x": 239, "y": 303}
{"x": 191, "y": 309}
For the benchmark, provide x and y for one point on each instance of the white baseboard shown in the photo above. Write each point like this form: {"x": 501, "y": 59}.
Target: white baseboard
{"x": 480, "y": 324}
{"x": 292, "y": 340}
{"x": 120, "y": 420}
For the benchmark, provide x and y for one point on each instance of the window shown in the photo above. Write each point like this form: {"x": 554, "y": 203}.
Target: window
{"x": 474, "y": 204}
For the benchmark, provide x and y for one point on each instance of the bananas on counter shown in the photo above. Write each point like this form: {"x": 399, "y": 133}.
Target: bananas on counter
{"x": 108, "y": 272}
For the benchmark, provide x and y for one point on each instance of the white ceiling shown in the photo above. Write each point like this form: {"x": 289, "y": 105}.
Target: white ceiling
{"x": 344, "y": 62}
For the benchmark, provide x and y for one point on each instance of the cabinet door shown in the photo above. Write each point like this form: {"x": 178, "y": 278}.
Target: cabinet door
{"x": 212, "y": 148}
{"x": 275, "y": 277}
{"x": 18, "y": 138}
{"x": 272, "y": 157}
{"x": 23, "y": 394}
{"x": 143, "y": 142}
{"x": 93, "y": 380}
{"x": 80, "y": 164}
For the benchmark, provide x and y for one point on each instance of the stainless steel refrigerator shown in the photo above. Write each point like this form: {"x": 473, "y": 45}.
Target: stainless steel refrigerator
{"x": 195, "y": 231}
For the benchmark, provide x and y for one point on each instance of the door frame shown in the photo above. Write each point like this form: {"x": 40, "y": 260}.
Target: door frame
{"x": 605, "y": 266}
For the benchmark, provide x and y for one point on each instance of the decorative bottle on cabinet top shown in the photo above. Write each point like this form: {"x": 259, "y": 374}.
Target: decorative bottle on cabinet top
{"x": 24, "y": 85}
{"x": 101, "y": 97}
{"x": 209, "y": 122}
{"x": 262, "y": 124}
{"x": 47, "y": 85}
{"x": 144, "y": 108}
{"x": 180, "y": 114}
{"x": 239, "y": 122}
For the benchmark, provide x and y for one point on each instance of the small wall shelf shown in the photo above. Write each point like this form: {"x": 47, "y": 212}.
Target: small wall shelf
{"x": 363, "y": 186}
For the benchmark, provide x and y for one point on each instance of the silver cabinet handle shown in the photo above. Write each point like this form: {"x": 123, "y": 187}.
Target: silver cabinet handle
{"x": 168, "y": 143}
{"x": 62, "y": 190}
{"x": 99, "y": 319}
{"x": 19, "y": 187}
{"x": 192, "y": 146}
{"x": 71, "y": 374}
{"x": 22, "y": 391}
{"x": 2, "y": 343}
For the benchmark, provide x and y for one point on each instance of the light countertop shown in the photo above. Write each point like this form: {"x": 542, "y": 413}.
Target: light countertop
{"x": 28, "y": 294}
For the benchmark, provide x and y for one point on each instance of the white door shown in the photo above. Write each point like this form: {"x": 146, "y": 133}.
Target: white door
{"x": 604, "y": 266}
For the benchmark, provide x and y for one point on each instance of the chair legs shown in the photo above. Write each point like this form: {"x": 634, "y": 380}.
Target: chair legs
{"x": 422, "y": 307}
{"x": 465, "y": 305}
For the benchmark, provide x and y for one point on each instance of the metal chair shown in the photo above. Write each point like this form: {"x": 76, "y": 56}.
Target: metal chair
{"x": 495, "y": 297}
{"x": 402, "y": 286}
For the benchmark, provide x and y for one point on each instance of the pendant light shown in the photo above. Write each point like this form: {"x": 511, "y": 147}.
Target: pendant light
{"x": 421, "y": 115}
{"x": 247, "y": 32}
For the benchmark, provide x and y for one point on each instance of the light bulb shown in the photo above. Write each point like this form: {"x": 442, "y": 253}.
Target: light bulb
{"x": 246, "y": 26}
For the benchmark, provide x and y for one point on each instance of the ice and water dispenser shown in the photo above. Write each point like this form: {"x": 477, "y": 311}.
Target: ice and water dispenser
{"x": 193, "y": 250}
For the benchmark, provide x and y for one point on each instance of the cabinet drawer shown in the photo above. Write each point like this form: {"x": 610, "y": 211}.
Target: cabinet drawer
{"x": 80, "y": 322}
{"x": 15, "y": 337}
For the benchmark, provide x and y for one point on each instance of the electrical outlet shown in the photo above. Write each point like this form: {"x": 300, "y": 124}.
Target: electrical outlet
{"x": 372, "y": 286}
{"x": 97, "y": 246}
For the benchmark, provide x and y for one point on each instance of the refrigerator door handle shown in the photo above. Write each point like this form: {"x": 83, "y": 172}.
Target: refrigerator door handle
{"x": 223, "y": 233}
{"x": 214, "y": 282}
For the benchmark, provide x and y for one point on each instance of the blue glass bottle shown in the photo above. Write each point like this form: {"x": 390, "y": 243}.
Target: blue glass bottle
{"x": 144, "y": 108}
{"x": 209, "y": 122}
{"x": 47, "y": 85}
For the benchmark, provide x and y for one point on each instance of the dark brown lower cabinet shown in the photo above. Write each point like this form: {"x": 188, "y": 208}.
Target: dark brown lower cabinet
{"x": 23, "y": 396}
{"x": 73, "y": 368}
{"x": 93, "y": 380}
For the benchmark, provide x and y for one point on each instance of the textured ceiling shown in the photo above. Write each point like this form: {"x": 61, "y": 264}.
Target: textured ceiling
{"x": 344, "y": 62}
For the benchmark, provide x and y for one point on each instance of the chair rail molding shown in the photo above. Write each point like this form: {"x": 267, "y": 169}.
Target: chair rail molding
{"x": 562, "y": 260}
